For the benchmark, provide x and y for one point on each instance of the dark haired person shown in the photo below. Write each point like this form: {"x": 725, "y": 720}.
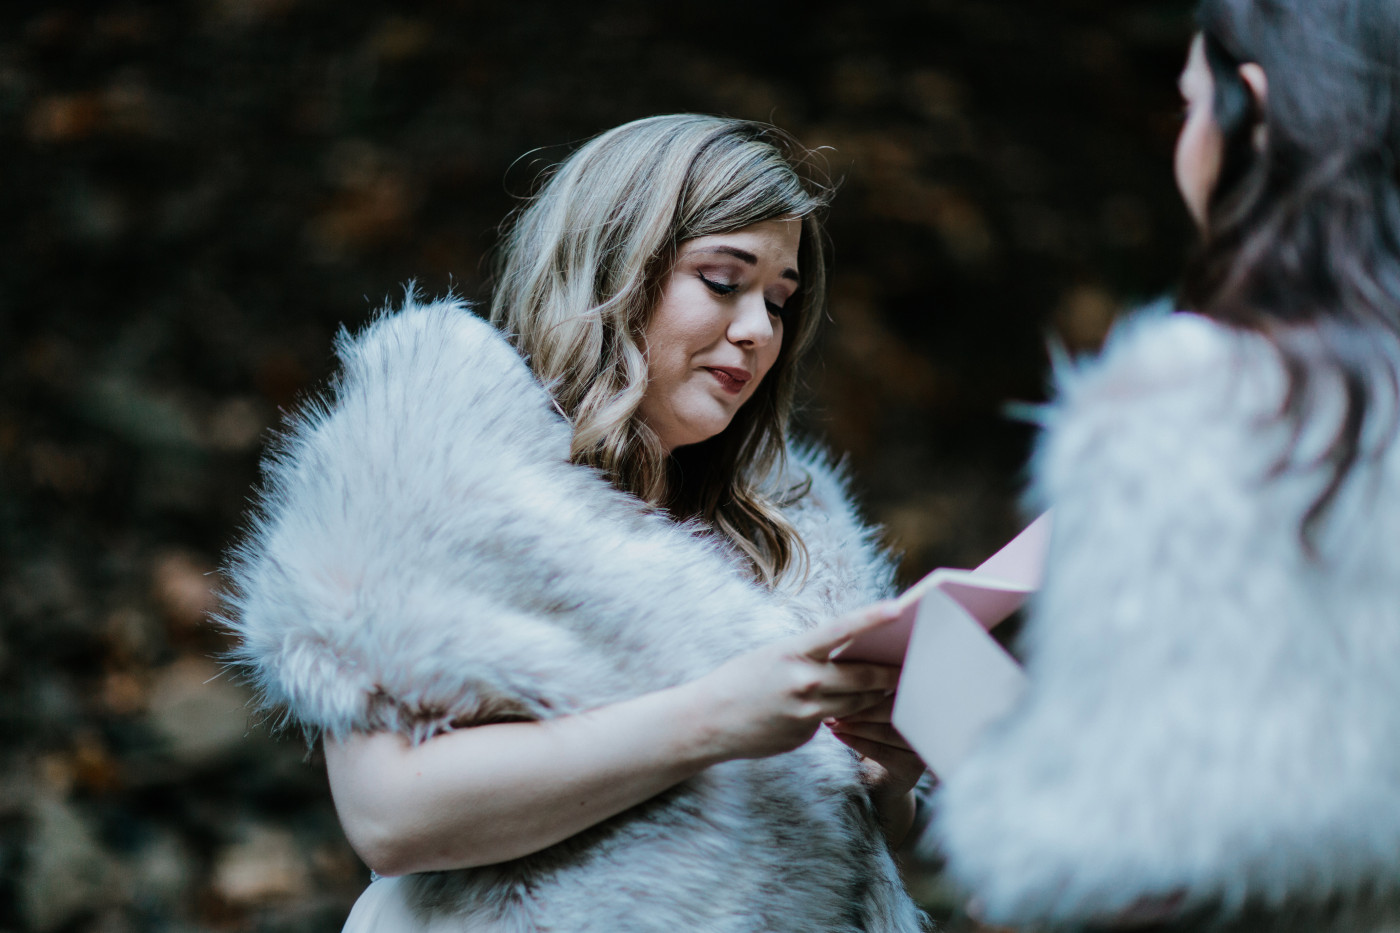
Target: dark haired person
{"x": 1211, "y": 739}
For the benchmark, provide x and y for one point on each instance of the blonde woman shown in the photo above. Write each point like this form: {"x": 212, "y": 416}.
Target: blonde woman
{"x": 558, "y": 597}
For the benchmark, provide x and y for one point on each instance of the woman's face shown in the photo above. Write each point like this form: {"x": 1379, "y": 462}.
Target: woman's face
{"x": 717, "y": 328}
{"x": 1199, "y": 147}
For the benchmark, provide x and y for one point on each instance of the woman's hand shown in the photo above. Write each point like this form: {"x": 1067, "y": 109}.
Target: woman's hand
{"x": 772, "y": 699}
{"x": 890, "y": 766}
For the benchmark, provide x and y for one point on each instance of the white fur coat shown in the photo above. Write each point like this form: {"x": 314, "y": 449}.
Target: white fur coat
{"x": 1212, "y": 714}
{"x": 426, "y": 557}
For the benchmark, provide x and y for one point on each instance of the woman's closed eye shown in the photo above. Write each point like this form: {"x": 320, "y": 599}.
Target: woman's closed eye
{"x": 719, "y": 288}
{"x": 725, "y": 289}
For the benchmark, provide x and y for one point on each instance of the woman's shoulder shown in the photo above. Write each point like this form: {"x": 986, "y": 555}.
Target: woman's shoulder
{"x": 1170, "y": 393}
{"x": 426, "y": 371}
{"x": 1156, "y": 353}
{"x": 438, "y": 339}
{"x": 813, "y": 488}
{"x": 847, "y": 566}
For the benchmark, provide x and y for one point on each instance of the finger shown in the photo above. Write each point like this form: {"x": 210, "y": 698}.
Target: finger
{"x": 872, "y": 732}
{"x": 823, "y": 640}
{"x": 885, "y": 755}
{"x": 880, "y": 712}
{"x": 847, "y": 704}
{"x": 858, "y": 677}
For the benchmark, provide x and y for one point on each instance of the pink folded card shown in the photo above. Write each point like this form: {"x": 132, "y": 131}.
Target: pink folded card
{"x": 956, "y": 678}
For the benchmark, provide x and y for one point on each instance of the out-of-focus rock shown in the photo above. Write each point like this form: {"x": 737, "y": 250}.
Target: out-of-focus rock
{"x": 51, "y": 361}
{"x": 374, "y": 204}
{"x": 54, "y": 776}
{"x": 860, "y": 81}
{"x": 162, "y": 872}
{"x": 46, "y": 586}
{"x": 244, "y": 14}
{"x": 123, "y": 693}
{"x": 150, "y": 418}
{"x": 935, "y": 94}
{"x": 95, "y": 768}
{"x": 335, "y": 866}
{"x": 63, "y": 118}
{"x": 236, "y": 424}
{"x": 68, "y": 872}
{"x": 198, "y": 711}
{"x": 183, "y": 586}
{"x": 129, "y": 108}
{"x": 266, "y": 865}
{"x": 1084, "y": 316}
{"x": 64, "y": 470}
{"x": 133, "y": 634}
{"x": 399, "y": 39}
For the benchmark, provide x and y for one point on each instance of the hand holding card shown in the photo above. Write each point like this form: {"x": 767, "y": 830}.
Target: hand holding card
{"x": 956, "y": 678}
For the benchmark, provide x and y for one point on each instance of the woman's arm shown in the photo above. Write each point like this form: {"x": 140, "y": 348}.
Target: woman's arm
{"x": 492, "y": 793}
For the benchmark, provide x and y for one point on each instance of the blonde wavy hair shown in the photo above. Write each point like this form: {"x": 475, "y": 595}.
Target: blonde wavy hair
{"x": 580, "y": 271}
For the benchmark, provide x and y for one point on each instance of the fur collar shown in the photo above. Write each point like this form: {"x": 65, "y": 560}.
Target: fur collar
{"x": 1212, "y": 714}
{"x": 425, "y": 556}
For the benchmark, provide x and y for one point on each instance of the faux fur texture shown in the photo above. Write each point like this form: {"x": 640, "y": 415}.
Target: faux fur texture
{"x": 427, "y": 558}
{"x": 1211, "y": 713}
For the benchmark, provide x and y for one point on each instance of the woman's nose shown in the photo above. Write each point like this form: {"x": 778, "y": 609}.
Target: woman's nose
{"x": 752, "y": 325}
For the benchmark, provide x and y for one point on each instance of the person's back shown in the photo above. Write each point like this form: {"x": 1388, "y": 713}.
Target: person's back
{"x": 1212, "y": 733}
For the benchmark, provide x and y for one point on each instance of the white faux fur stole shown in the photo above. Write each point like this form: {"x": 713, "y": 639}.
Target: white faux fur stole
{"x": 426, "y": 557}
{"x": 1213, "y": 716}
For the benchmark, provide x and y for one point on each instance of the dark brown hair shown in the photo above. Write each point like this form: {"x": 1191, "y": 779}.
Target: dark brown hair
{"x": 1302, "y": 230}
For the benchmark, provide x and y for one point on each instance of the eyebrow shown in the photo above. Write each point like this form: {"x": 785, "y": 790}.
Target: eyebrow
{"x": 748, "y": 257}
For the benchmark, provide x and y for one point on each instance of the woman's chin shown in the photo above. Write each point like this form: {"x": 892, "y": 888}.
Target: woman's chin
{"x": 697, "y": 424}
{"x": 698, "y": 433}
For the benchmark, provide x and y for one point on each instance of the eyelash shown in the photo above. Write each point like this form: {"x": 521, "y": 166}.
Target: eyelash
{"x": 721, "y": 289}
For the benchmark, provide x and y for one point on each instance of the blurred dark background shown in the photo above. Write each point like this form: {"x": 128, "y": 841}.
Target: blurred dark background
{"x": 195, "y": 195}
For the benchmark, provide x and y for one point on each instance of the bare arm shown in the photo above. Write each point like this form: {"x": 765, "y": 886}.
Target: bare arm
{"x": 492, "y": 793}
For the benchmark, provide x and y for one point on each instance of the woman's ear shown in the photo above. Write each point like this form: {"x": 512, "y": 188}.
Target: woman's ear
{"x": 1258, "y": 83}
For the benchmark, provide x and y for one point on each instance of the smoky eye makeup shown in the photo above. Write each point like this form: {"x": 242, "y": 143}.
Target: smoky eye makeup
{"x": 716, "y": 283}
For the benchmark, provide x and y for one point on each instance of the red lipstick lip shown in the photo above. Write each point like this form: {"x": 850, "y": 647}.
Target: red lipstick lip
{"x": 731, "y": 378}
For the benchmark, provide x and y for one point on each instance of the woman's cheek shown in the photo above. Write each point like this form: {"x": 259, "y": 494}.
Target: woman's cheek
{"x": 1198, "y": 164}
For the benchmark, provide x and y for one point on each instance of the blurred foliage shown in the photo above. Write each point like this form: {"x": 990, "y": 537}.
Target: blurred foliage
{"x": 195, "y": 195}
